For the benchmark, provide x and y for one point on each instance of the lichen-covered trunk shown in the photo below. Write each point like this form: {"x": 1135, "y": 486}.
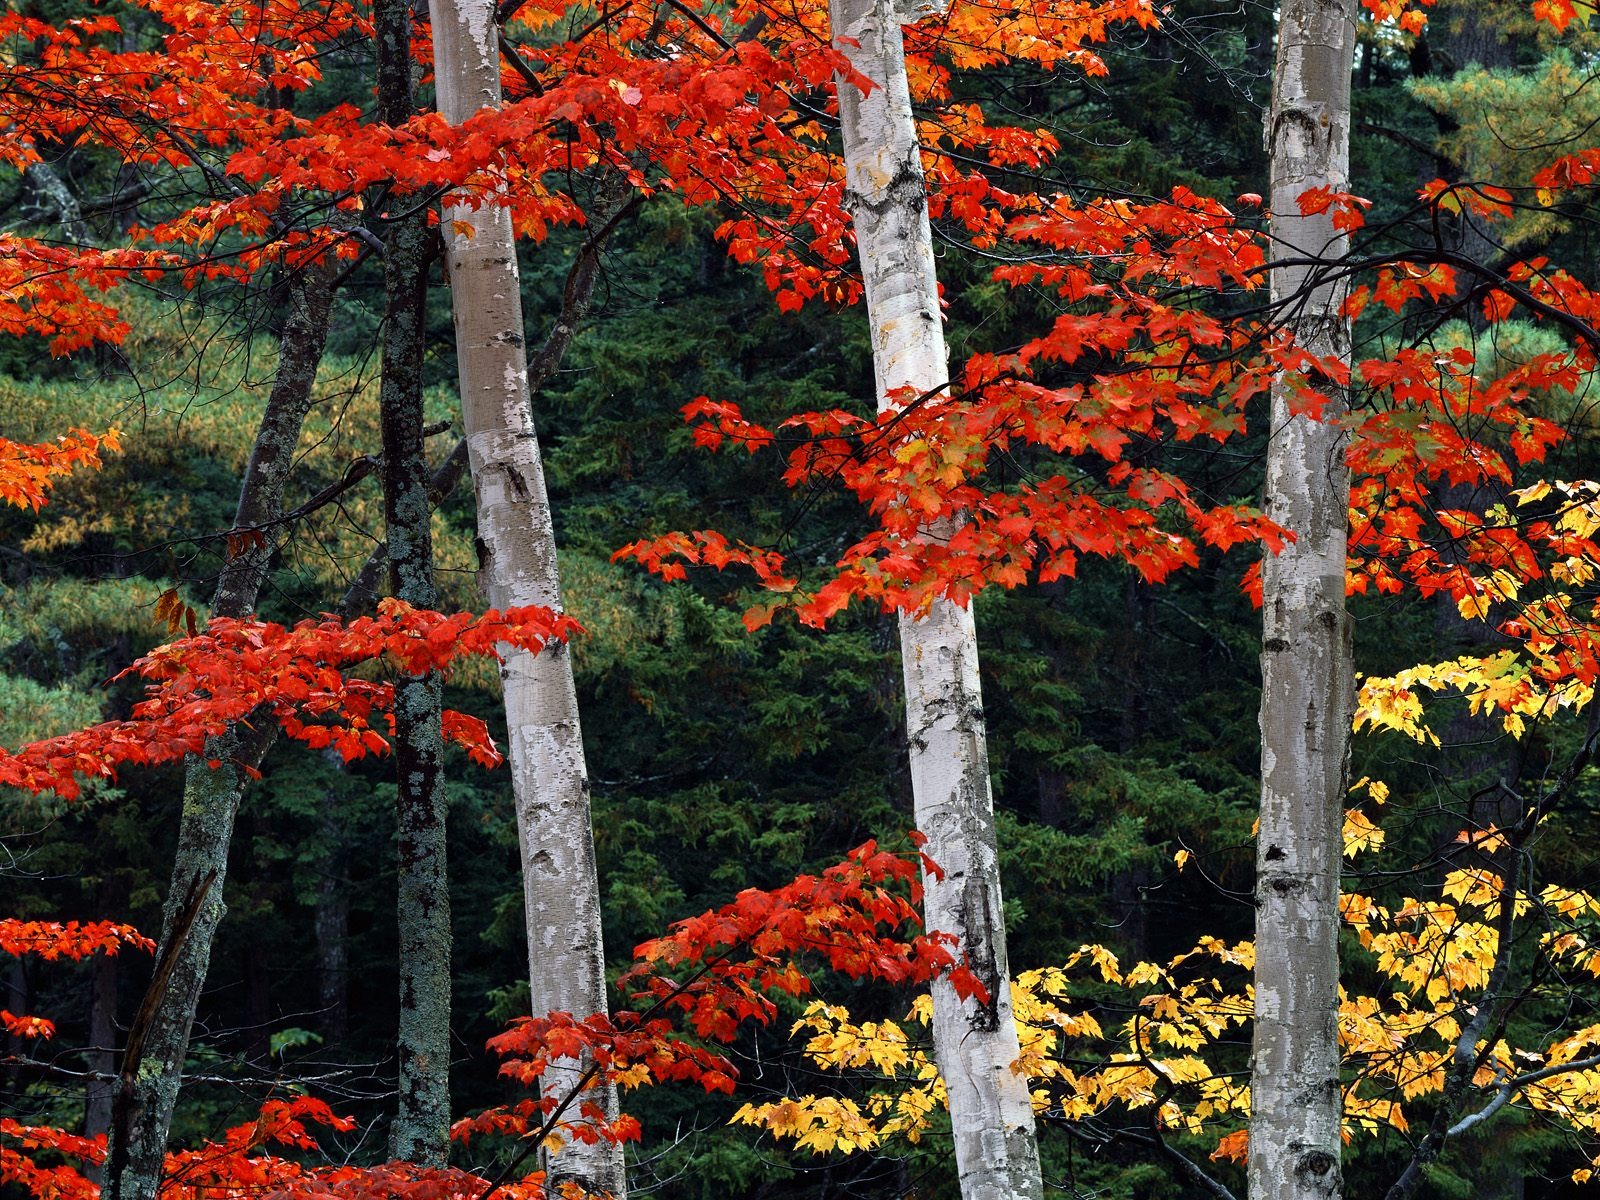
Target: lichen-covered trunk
{"x": 53, "y": 191}
{"x": 421, "y": 1130}
{"x": 211, "y": 794}
{"x": 1307, "y": 674}
{"x": 975, "y": 1045}
{"x": 517, "y": 551}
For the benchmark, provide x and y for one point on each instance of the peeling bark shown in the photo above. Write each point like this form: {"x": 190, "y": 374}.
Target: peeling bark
{"x": 974, "y": 1044}
{"x": 421, "y": 1130}
{"x": 517, "y": 551}
{"x": 211, "y": 795}
{"x": 1307, "y": 671}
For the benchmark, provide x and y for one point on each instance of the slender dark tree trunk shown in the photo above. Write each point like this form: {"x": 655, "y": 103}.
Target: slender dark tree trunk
{"x": 211, "y": 794}
{"x": 421, "y": 1131}
{"x": 102, "y": 1058}
{"x": 331, "y": 920}
{"x": 111, "y": 895}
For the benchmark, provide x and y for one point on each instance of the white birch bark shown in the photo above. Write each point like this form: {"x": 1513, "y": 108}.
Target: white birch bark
{"x": 517, "y": 559}
{"x": 975, "y": 1045}
{"x": 1307, "y": 672}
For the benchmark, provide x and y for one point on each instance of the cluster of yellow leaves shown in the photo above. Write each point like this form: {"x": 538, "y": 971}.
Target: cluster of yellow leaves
{"x": 1536, "y": 680}
{"x": 1505, "y": 682}
{"x": 824, "y": 1123}
{"x": 1575, "y": 943}
{"x": 1175, "y": 1046}
{"x": 1360, "y": 832}
{"x": 1136, "y": 1067}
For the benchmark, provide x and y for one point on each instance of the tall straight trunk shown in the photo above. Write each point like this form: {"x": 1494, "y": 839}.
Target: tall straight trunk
{"x": 1307, "y": 672}
{"x": 517, "y": 555}
{"x": 974, "y": 1044}
{"x": 331, "y": 929}
{"x": 111, "y": 895}
{"x": 102, "y": 1056}
{"x": 211, "y": 794}
{"x": 421, "y": 1131}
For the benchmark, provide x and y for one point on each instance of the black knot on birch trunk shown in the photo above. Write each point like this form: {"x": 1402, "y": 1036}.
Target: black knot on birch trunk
{"x": 1314, "y": 1165}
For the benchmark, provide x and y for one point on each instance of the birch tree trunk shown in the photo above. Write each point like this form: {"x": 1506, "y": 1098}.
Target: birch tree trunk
{"x": 421, "y": 1131}
{"x": 1307, "y": 672}
{"x": 211, "y": 794}
{"x": 517, "y": 556}
{"x": 974, "y": 1044}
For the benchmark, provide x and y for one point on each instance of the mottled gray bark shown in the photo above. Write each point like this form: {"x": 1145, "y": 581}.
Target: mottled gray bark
{"x": 211, "y": 794}
{"x": 421, "y": 1130}
{"x": 975, "y": 1044}
{"x": 330, "y": 923}
{"x": 1307, "y": 673}
{"x": 54, "y": 195}
{"x": 517, "y": 553}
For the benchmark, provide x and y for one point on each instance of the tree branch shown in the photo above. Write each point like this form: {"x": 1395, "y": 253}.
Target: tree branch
{"x": 1187, "y": 1165}
{"x": 528, "y": 74}
{"x": 1511, "y": 1087}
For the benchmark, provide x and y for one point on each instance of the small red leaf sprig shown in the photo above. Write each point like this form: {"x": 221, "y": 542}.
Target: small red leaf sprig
{"x": 68, "y": 939}
{"x": 29, "y": 471}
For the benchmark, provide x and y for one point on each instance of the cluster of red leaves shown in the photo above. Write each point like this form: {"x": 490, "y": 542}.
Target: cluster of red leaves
{"x": 18, "y": 1164}
{"x": 1557, "y": 13}
{"x": 716, "y": 106}
{"x": 71, "y": 939}
{"x": 1143, "y": 365}
{"x": 53, "y": 291}
{"x": 1569, "y": 171}
{"x": 710, "y": 974}
{"x": 1437, "y": 419}
{"x": 240, "y": 1164}
{"x": 213, "y": 81}
{"x": 29, "y": 471}
{"x": 852, "y": 918}
{"x": 714, "y": 972}
{"x": 298, "y": 676}
{"x": 1434, "y": 421}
